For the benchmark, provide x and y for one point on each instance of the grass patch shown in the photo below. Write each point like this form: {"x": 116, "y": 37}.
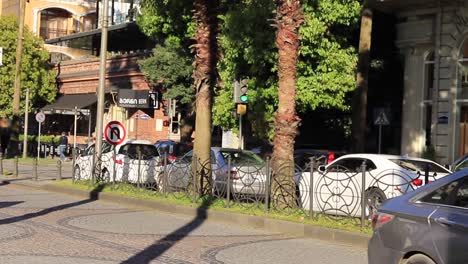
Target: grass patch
{"x": 7, "y": 172}
{"x": 255, "y": 209}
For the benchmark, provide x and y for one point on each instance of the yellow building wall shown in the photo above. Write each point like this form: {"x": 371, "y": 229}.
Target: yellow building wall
{"x": 9, "y": 7}
{"x": 78, "y": 9}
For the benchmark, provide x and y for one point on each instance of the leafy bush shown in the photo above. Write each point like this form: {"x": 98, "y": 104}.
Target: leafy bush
{"x": 52, "y": 140}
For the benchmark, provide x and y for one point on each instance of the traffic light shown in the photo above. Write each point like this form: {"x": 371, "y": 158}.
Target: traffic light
{"x": 175, "y": 125}
{"x": 240, "y": 92}
{"x": 244, "y": 98}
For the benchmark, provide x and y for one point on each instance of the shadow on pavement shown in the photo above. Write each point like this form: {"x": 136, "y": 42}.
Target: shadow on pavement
{"x": 93, "y": 196}
{"x": 8, "y": 204}
{"x": 4, "y": 183}
{"x": 159, "y": 247}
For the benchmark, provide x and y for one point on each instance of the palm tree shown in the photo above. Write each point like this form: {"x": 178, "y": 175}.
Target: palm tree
{"x": 359, "y": 124}
{"x": 206, "y": 58}
{"x": 289, "y": 18}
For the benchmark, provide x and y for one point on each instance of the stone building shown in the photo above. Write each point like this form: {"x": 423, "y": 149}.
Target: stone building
{"x": 70, "y": 29}
{"x": 432, "y": 39}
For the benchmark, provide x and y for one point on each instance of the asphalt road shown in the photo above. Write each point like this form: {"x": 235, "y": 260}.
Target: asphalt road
{"x": 42, "y": 227}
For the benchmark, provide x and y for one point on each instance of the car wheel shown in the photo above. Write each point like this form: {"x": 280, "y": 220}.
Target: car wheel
{"x": 419, "y": 259}
{"x": 77, "y": 173}
{"x": 374, "y": 198}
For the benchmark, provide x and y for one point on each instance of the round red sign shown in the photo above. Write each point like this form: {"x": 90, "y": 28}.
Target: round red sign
{"x": 115, "y": 133}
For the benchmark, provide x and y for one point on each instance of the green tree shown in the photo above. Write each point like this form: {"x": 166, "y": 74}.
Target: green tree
{"x": 326, "y": 63}
{"x": 168, "y": 19}
{"x": 36, "y": 72}
{"x": 170, "y": 69}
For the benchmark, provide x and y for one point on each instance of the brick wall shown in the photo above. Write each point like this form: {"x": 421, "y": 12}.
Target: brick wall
{"x": 82, "y": 76}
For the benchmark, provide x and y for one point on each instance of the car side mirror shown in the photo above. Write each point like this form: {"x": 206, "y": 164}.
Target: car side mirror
{"x": 322, "y": 168}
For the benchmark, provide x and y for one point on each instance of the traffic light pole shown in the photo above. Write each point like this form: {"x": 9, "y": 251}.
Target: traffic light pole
{"x": 241, "y": 137}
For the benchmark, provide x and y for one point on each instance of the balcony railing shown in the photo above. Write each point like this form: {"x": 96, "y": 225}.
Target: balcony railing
{"x": 49, "y": 33}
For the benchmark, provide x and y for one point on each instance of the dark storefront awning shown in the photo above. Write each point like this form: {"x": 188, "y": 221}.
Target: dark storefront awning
{"x": 67, "y": 104}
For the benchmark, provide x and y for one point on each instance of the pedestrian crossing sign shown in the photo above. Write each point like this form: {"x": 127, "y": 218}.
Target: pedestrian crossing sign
{"x": 381, "y": 119}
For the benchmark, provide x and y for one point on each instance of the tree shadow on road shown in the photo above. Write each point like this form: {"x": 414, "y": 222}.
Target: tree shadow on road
{"x": 162, "y": 245}
{"x": 4, "y": 183}
{"x": 93, "y": 196}
{"x": 9, "y": 204}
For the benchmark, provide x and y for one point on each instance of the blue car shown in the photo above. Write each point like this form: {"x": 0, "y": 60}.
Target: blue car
{"x": 425, "y": 226}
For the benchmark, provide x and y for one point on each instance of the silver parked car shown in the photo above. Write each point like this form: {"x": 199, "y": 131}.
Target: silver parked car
{"x": 247, "y": 171}
{"x": 426, "y": 226}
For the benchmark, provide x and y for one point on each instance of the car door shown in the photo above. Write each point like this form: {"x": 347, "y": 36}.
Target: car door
{"x": 449, "y": 221}
{"x": 337, "y": 191}
{"x": 179, "y": 172}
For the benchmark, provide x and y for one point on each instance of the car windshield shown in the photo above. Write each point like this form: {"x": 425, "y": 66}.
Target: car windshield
{"x": 131, "y": 150}
{"x": 177, "y": 149}
{"x": 241, "y": 157}
{"x": 419, "y": 165}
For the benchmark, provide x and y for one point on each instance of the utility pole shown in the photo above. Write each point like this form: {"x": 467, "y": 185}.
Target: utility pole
{"x": 102, "y": 85}
{"x": 26, "y": 119}
{"x": 19, "y": 55}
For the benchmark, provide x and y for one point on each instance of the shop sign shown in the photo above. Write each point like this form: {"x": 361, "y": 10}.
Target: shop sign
{"x": 128, "y": 98}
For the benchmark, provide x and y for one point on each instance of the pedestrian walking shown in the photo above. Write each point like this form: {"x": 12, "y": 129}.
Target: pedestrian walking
{"x": 63, "y": 143}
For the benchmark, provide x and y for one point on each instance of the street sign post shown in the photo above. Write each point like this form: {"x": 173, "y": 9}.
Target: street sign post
{"x": 381, "y": 119}
{"x": 115, "y": 133}
{"x": 40, "y": 117}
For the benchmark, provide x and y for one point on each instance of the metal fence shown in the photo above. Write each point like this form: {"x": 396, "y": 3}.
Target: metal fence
{"x": 339, "y": 193}
{"x": 34, "y": 168}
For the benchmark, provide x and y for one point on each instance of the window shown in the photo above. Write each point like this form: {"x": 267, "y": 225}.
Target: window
{"x": 189, "y": 156}
{"x": 347, "y": 165}
{"x": 419, "y": 165}
{"x": 441, "y": 195}
{"x": 132, "y": 151}
{"x": 106, "y": 147}
{"x": 461, "y": 200}
{"x": 55, "y": 23}
{"x": 241, "y": 158}
{"x": 370, "y": 165}
{"x": 427, "y": 97}
{"x": 462, "y": 165}
{"x": 428, "y": 77}
{"x": 89, "y": 150}
{"x": 454, "y": 194}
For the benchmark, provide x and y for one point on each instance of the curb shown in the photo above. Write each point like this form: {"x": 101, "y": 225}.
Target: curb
{"x": 257, "y": 222}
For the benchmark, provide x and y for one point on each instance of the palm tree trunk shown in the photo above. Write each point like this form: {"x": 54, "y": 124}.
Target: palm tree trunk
{"x": 359, "y": 124}
{"x": 288, "y": 20}
{"x": 206, "y": 48}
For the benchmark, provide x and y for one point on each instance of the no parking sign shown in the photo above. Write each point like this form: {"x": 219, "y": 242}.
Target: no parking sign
{"x": 115, "y": 133}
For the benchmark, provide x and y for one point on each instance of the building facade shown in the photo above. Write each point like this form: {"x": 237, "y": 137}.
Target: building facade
{"x": 70, "y": 29}
{"x": 432, "y": 37}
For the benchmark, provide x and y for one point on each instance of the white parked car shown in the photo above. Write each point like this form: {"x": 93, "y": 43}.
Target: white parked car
{"x": 337, "y": 187}
{"x": 134, "y": 161}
